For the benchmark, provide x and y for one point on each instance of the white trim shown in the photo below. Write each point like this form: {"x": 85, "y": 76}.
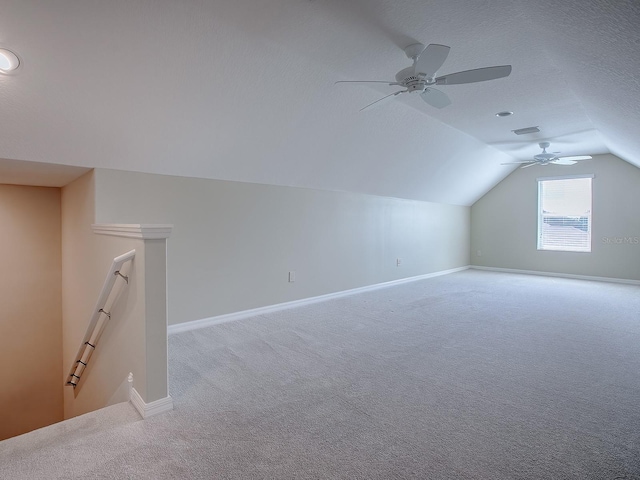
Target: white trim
{"x": 231, "y": 317}
{"x": 131, "y": 230}
{"x": 567, "y": 177}
{"x": 151, "y": 409}
{"x": 562, "y": 275}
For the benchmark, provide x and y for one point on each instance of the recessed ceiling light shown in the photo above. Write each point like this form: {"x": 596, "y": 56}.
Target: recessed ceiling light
{"x": 9, "y": 61}
{"x": 506, "y": 113}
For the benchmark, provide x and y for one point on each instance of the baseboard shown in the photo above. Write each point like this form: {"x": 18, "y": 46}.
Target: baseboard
{"x": 561, "y": 275}
{"x": 150, "y": 409}
{"x": 230, "y": 317}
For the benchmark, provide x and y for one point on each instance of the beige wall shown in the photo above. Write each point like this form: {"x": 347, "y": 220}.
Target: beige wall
{"x": 233, "y": 243}
{"x": 30, "y": 310}
{"x": 504, "y": 222}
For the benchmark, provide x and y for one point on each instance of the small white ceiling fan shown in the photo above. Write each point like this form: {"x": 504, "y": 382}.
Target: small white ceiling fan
{"x": 545, "y": 158}
{"x": 421, "y": 76}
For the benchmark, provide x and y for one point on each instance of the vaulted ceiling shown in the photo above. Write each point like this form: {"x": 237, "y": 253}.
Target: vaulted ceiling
{"x": 244, "y": 89}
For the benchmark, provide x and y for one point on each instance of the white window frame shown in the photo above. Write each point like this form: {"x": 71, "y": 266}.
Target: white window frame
{"x": 563, "y": 248}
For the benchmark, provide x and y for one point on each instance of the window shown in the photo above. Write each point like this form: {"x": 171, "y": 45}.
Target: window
{"x": 564, "y": 213}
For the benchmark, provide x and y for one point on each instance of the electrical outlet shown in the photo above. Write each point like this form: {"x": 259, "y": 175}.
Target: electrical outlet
{"x": 398, "y": 262}
{"x": 292, "y": 276}
{"x": 478, "y": 253}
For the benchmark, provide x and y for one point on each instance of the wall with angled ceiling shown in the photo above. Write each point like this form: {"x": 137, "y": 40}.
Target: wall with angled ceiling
{"x": 234, "y": 244}
{"x": 245, "y": 91}
{"x": 504, "y": 222}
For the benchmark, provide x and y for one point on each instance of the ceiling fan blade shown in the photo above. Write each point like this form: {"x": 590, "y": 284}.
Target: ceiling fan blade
{"x": 386, "y": 97}
{"x": 367, "y": 81}
{"x": 518, "y": 163}
{"x": 529, "y": 165}
{"x": 576, "y": 158}
{"x": 476, "y": 75}
{"x": 562, "y": 161}
{"x": 431, "y": 59}
{"x": 435, "y": 98}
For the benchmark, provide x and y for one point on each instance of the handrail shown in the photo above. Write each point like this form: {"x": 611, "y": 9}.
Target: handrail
{"x": 95, "y": 328}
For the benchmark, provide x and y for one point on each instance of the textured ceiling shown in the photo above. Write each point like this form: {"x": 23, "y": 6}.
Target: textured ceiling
{"x": 244, "y": 89}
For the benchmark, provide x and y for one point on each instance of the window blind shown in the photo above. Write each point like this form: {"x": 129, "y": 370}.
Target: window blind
{"x": 564, "y": 213}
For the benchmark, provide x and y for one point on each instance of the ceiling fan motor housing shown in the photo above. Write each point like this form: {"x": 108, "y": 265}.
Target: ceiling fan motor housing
{"x": 544, "y": 157}
{"x": 412, "y": 82}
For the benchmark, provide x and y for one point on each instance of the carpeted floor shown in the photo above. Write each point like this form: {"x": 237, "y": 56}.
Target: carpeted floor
{"x": 474, "y": 375}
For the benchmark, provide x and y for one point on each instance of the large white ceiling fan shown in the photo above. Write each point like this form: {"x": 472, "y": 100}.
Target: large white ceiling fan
{"x": 545, "y": 158}
{"x": 421, "y": 76}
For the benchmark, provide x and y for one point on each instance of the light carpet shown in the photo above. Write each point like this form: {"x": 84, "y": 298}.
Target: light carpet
{"x": 473, "y": 375}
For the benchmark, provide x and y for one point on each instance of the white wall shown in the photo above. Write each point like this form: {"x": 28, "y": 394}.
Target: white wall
{"x": 30, "y": 309}
{"x": 233, "y": 243}
{"x": 504, "y": 222}
{"x": 131, "y": 342}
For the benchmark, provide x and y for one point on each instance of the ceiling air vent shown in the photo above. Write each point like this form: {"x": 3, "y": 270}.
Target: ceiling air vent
{"x": 524, "y": 131}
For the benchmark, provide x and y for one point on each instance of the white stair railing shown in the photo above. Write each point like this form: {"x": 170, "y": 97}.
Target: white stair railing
{"x": 99, "y": 318}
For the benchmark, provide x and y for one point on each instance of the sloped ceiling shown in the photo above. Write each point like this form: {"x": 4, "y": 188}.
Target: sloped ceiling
{"x": 244, "y": 89}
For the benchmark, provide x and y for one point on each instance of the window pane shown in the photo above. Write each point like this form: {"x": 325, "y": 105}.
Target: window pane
{"x": 564, "y": 221}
